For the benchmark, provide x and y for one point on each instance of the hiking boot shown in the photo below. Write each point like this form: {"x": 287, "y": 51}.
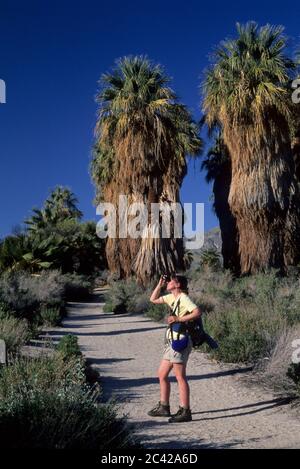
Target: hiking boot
{"x": 160, "y": 410}
{"x": 183, "y": 415}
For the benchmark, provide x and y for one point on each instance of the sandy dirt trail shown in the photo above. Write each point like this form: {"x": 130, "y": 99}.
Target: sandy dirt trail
{"x": 226, "y": 413}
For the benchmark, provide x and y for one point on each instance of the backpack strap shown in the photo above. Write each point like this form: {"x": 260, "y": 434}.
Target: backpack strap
{"x": 182, "y": 328}
{"x": 173, "y": 313}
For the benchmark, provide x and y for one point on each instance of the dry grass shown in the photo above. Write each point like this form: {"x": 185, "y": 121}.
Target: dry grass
{"x": 272, "y": 373}
{"x": 14, "y": 332}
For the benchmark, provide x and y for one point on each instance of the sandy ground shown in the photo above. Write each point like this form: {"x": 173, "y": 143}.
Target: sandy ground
{"x": 226, "y": 412}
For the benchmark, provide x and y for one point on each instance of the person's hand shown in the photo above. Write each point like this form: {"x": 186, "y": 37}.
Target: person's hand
{"x": 172, "y": 319}
{"x": 162, "y": 282}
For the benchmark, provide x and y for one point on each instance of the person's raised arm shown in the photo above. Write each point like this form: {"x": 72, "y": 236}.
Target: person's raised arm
{"x": 155, "y": 298}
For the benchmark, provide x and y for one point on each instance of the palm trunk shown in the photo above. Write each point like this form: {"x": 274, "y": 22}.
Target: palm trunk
{"x": 149, "y": 256}
{"x": 259, "y": 197}
{"x": 292, "y": 229}
{"x": 229, "y": 232}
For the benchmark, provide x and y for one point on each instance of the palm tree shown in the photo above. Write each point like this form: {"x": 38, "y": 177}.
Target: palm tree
{"x": 246, "y": 92}
{"x": 217, "y": 165}
{"x": 60, "y": 205}
{"x": 210, "y": 259}
{"x": 20, "y": 252}
{"x": 63, "y": 204}
{"x": 143, "y": 135}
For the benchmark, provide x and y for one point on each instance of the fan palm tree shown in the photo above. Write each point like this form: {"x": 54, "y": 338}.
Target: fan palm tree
{"x": 60, "y": 205}
{"x": 246, "y": 92}
{"x": 19, "y": 252}
{"x": 143, "y": 135}
{"x": 217, "y": 165}
{"x": 210, "y": 259}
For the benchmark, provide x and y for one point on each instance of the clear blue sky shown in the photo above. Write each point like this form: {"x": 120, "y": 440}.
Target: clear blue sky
{"x": 51, "y": 57}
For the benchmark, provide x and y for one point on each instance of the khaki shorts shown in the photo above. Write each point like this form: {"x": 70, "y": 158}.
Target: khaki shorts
{"x": 177, "y": 357}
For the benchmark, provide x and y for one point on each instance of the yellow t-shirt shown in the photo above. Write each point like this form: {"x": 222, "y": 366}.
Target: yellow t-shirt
{"x": 186, "y": 306}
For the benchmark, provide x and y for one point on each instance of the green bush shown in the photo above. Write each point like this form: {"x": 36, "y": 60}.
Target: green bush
{"x": 68, "y": 346}
{"x": 47, "y": 373}
{"x": 52, "y": 314}
{"x": 68, "y": 422}
{"x": 243, "y": 335}
{"x": 41, "y": 298}
{"x": 45, "y": 402}
{"x": 246, "y": 315}
{"x": 156, "y": 312}
{"x": 14, "y": 332}
{"x": 24, "y": 294}
{"x": 141, "y": 302}
{"x": 76, "y": 287}
{"x": 124, "y": 296}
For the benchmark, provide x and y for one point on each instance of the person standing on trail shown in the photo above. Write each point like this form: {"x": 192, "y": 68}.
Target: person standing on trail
{"x": 183, "y": 310}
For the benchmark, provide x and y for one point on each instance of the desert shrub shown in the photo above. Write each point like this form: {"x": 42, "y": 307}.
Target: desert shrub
{"x": 68, "y": 346}
{"x": 277, "y": 372}
{"x": 76, "y": 287}
{"x": 123, "y": 297}
{"x": 23, "y": 294}
{"x": 14, "y": 332}
{"x": 46, "y": 403}
{"x": 58, "y": 368}
{"x": 205, "y": 303}
{"x": 41, "y": 298}
{"x": 49, "y": 287}
{"x": 73, "y": 421}
{"x": 246, "y": 315}
{"x": 244, "y": 335}
{"x": 46, "y": 373}
{"x": 17, "y": 295}
{"x": 141, "y": 302}
{"x": 51, "y": 316}
{"x": 209, "y": 281}
{"x": 156, "y": 312}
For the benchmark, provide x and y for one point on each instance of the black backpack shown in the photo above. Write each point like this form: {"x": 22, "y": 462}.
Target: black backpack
{"x": 196, "y": 332}
{"x": 198, "y": 335}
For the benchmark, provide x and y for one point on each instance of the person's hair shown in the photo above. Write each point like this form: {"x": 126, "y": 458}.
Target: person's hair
{"x": 183, "y": 282}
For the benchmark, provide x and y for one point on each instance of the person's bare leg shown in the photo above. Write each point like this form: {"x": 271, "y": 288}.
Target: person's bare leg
{"x": 184, "y": 389}
{"x": 165, "y": 387}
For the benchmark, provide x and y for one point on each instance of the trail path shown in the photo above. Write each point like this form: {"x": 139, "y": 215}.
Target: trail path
{"x": 226, "y": 413}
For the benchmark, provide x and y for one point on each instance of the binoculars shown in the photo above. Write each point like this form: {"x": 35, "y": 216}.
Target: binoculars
{"x": 168, "y": 277}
